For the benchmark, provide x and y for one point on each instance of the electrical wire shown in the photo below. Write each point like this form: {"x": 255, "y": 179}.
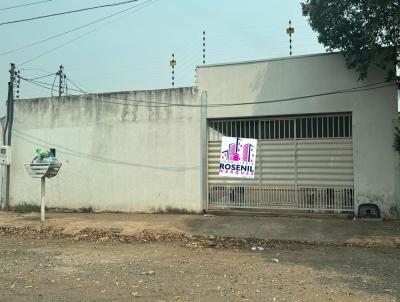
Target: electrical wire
{"x": 354, "y": 89}
{"x": 71, "y": 30}
{"x": 52, "y": 86}
{"x": 143, "y": 5}
{"x": 67, "y": 12}
{"x": 43, "y": 85}
{"x": 366, "y": 87}
{"x": 23, "y": 5}
{"x": 76, "y": 85}
{"x": 44, "y": 76}
{"x": 35, "y": 69}
{"x": 49, "y": 85}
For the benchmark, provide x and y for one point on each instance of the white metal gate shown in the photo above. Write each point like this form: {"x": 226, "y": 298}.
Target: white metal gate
{"x": 303, "y": 162}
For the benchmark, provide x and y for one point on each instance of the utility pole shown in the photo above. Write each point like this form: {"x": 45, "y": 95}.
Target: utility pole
{"x": 9, "y": 125}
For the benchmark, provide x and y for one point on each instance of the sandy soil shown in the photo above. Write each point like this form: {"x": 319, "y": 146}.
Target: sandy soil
{"x": 34, "y": 269}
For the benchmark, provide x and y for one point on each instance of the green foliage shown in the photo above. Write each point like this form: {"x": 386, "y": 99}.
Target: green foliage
{"x": 26, "y": 208}
{"x": 172, "y": 210}
{"x": 86, "y": 210}
{"x": 366, "y": 31}
{"x": 396, "y": 144}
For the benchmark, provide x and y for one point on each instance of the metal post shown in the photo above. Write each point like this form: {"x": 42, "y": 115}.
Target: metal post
{"x": 42, "y": 199}
{"x": 172, "y": 63}
{"x": 290, "y": 32}
{"x": 204, "y": 47}
{"x": 296, "y": 171}
{"x": 60, "y": 73}
{"x": 204, "y": 152}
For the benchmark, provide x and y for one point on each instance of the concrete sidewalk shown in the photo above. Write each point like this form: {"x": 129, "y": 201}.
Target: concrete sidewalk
{"x": 315, "y": 230}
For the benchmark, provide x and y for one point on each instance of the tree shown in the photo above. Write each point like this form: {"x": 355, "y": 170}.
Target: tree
{"x": 366, "y": 31}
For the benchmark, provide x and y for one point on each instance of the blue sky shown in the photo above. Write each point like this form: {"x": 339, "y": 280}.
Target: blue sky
{"x": 133, "y": 52}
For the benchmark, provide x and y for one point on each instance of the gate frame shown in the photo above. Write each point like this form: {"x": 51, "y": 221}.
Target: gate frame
{"x": 295, "y": 139}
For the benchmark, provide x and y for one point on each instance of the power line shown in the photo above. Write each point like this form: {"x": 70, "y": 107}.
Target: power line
{"x": 67, "y": 12}
{"x": 23, "y": 5}
{"x": 76, "y": 85}
{"x": 354, "y": 89}
{"x": 139, "y": 6}
{"x": 44, "y": 76}
{"x": 43, "y": 85}
{"x": 70, "y": 31}
{"x": 35, "y": 69}
{"x": 107, "y": 17}
{"x": 366, "y": 87}
{"x": 253, "y": 103}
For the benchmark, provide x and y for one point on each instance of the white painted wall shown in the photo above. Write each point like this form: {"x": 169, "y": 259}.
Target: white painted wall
{"x": 376, "y": 165}
{"x": 115, "y": 157}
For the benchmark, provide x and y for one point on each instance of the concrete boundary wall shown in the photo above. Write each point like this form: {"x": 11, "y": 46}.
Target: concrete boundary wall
{"x": 134, "y": 157}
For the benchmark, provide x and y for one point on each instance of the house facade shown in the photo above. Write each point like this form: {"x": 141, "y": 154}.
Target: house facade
{"x": 325, "y": 138}
{"x": 324, "y": 141}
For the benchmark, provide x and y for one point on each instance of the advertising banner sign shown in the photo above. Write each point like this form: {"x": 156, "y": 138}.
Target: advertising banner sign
{"x": 238, "y": 157}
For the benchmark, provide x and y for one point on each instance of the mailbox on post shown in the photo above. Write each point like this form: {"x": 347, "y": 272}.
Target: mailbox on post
{"x": 43, "y": 171}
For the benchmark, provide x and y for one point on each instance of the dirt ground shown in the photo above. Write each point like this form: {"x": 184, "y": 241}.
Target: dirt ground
{"x": 34, "y": 269}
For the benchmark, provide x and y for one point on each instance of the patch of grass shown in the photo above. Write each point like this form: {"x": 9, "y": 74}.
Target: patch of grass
{"x": 86, "y": 210}
{"x": 26, "y": 207}
{"x": 394, "y": 213}
{"x": 172, "y": 210}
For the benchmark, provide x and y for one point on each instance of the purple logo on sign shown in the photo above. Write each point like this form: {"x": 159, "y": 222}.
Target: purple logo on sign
{"x": 239, "y": 152}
